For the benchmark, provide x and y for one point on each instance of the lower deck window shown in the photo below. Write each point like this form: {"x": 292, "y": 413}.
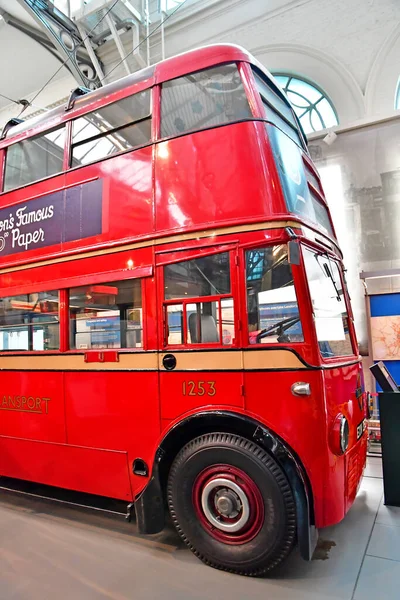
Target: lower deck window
{"x": 106, "y": 315}
{"x": 29, "y": 322}
{"x": 207, "y": 322}
{"x": 273, "y": 313}
{"x": 329, "y": 305}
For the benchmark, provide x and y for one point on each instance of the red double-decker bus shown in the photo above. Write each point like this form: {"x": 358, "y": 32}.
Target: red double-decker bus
{"x": 175, "y": 327}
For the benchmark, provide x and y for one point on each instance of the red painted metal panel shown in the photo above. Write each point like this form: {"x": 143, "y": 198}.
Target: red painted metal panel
{"x": 115, "y": 411}
{"x": 182, "y": 392}
{"x": 32, "y": 405}
{"x": 227, "y": 166}
{"x": 88, "y": 470}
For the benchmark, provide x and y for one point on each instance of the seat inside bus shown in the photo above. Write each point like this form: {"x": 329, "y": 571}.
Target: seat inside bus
{"x": 208, "y": 329}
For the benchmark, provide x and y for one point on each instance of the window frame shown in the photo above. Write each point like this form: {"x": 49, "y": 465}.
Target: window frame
{"x": 144, "y": 274}
{"x": 21, "y": 352}
{"x": 154, "y": 117}
{"x": 197, "y": 300}
{"x": 298, "y": 281}
{"x": 257, "y": 74}
{"x": 304, "y": 246}
{"x": 63, "y": 125}
{"x": 191, "y": 254}
{"x": 239, "y": 65}
{"x": 67, "y": 329}
{"x": 291, "y": 76}
{"x": 70, "y": 145}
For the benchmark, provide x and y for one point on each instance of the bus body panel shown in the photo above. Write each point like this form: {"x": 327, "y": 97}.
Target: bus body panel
{"x": 227, "y": 166}
{"x": 344, "y": 395}
{"x": 32, "y": 406}
{"x": 296, "y": 419}
{"x": 185, "y": 391}
{"x": 95, "y": 471}
{"x": 118, "y": 192}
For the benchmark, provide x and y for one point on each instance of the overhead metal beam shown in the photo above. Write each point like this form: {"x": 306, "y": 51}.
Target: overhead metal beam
{"x": 66, "y": 38}
{"x": 379, "y": 274}
{"x": 118, "y": 43}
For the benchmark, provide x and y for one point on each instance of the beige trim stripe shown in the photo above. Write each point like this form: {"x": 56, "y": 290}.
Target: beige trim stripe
{"x": 206, "y": 361}
{"x": 271, "y": 359}
{"x": 218, "y": 360}
{"x": 155, "y": 242}
{"x": 140, "y": 361}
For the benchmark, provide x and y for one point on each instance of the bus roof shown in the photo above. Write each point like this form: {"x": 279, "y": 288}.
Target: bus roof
{"x": 176, "y": 66}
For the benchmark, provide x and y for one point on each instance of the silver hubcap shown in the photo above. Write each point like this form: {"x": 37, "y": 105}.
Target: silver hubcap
{"x": 224, "y": 498}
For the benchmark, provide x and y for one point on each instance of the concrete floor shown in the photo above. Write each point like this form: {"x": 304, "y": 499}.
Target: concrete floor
{"x": 52, "y": 551}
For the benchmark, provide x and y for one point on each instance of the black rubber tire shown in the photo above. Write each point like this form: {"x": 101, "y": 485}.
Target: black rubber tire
{"x": 277, "y": 535}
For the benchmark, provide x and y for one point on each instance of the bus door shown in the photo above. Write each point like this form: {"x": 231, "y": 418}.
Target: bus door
{"x": 200, "y": 362}
{"x": 111, "y": 397}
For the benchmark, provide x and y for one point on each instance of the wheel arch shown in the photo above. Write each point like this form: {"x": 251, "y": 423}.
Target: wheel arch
{"x": 150, "y": 504}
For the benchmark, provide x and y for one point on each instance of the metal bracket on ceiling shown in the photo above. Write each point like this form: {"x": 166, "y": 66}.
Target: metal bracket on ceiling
{"x": 67, "y": 39}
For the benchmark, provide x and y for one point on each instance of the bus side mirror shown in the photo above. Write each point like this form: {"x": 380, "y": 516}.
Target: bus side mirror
{"x": 293, "y": 253}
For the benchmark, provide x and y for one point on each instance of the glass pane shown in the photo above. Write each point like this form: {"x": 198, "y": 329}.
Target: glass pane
{"x": 273, "y": 98}
{"x": 118, "y": 114}
{"x": 132, "y": 136}
{"x": 327, "y": 113}
{"x": 175, "y": 324}
{"x": 34, "y": 159}
{"x": 205, "y": 276}
{"x": 228, "y": 323}
{"x": 293, "y": 178}
{"x": 205, "y": 99}
{"x": 277, "y": 120}
{"x": 106, "y": 315}
{"x": 297, "y": 100}
{"x": 282, "y": 80}
{"x": 316, "y": 122}
{"x": 30, "y": 322}
{"x": 202, "y": 323}
{"x": 273, "y": 315}
{"x": 327, "y": 295}
{"x": 305, "y": 89}
{"x": 304, "y": 120}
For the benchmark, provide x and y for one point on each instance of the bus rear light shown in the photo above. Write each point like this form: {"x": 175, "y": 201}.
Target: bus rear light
{"x": 339, "y": 439}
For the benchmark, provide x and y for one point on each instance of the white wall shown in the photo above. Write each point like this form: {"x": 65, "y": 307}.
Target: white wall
{"x": 350, "y": 48}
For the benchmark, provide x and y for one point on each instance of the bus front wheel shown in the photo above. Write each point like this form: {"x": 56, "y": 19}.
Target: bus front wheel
{"x": 232, "y": 504}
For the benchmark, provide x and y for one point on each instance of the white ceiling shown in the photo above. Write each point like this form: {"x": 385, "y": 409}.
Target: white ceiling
{"x": 24, "y": 64}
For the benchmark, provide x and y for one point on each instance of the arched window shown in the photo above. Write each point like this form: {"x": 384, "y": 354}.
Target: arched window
{"x": 314, "y": 109}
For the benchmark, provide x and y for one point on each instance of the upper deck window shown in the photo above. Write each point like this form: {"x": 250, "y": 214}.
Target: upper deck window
{"x": 120, "y": 126}
{"x": 34, "y": 159}
{"x": 277, "y": 110}
{"x": 204, "y": 99}
{"x": 300, "y": 197}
